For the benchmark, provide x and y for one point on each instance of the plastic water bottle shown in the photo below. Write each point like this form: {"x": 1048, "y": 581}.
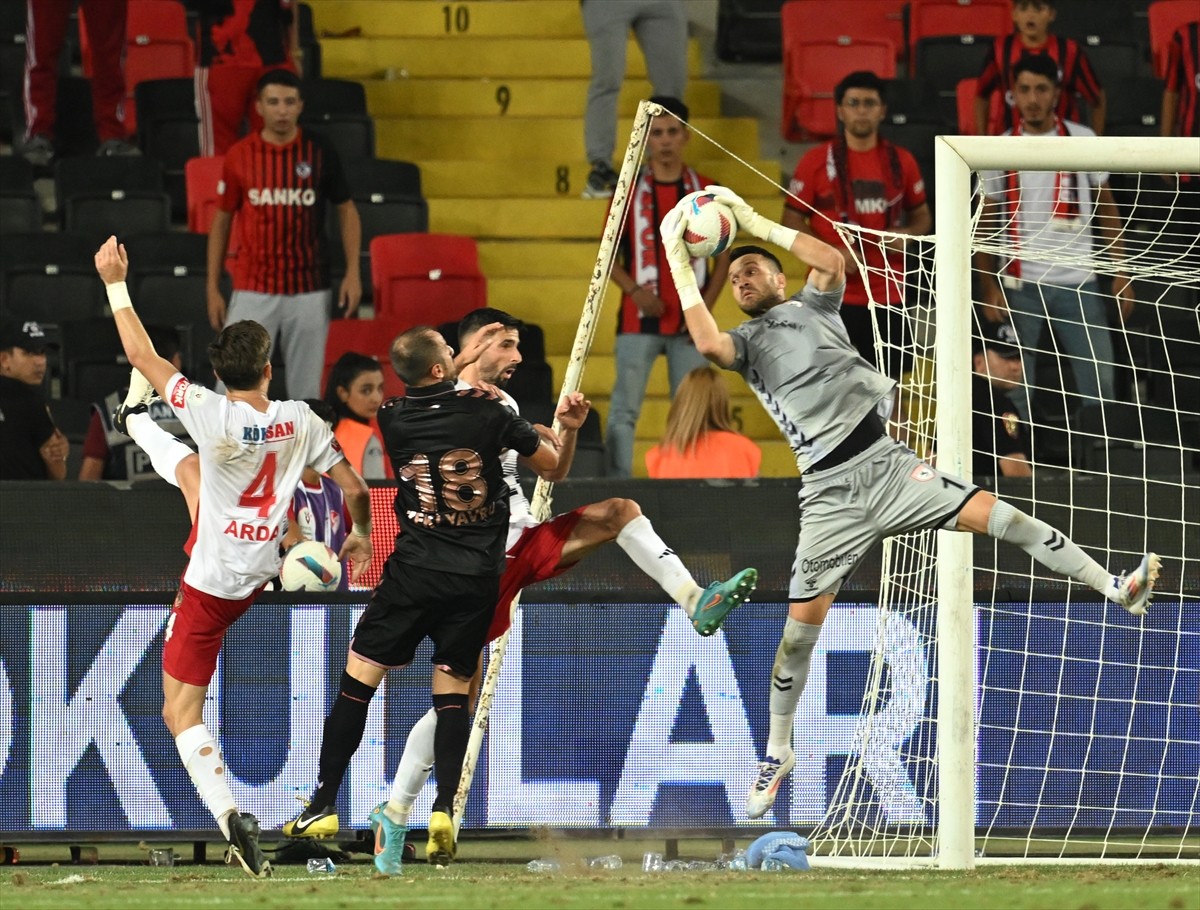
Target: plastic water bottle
{"x": 323, "y": 866}
{"x": 611, "y": 861}
{"x": 770, "y": 864}
{"x": 544, "y": 865}
{"x": 738, "y": 862}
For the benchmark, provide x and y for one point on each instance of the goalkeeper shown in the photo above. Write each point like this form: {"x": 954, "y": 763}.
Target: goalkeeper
{"x": 859, "y": 486}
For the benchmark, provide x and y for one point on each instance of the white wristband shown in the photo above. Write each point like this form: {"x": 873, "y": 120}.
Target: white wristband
{"x": 118, "y": 296}
{"x": 360, "y": 530}
{"x": 782, "y": 236}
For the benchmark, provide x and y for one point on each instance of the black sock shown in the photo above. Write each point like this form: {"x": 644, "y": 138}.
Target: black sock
{"x": 449, "y": 747}
{"x": 343, "y": 732}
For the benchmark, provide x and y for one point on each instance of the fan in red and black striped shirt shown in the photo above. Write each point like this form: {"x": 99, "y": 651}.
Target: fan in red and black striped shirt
{"x": 995, "y": 108}
{"x": 1181, "y": 98}
{"x": 278, "y": 181}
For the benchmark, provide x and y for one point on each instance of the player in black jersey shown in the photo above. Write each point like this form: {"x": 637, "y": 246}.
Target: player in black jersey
{"x": 443, "y": 578}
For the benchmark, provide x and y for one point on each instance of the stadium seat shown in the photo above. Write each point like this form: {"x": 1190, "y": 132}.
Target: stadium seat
{"x": 1166, "y": 16}
{"x": 201, "y": 176}
{"x": 964, "y": 95}
{"x": 749, "y": 30}
{"x": 912, "y": 100}
{"x": 351, "y": 134}
{"x": 1112, "y": 20}
{"x": 50, "y": 276}
{"x": 74, "y": 128}
{"x": 372, "y": 337}
{"x": 946, "y": 60}
{"x": 307, "y": 46}
{"x": 1134, "y": 106}
{"x": 169, "y": 132}
{"x": 12, "y": 70}
{"x": 810, "y": 72}
{"x": 1115, "y": 61}
{"x": 20, "y": 210}
{"x": 101, "y": 214}
{"x": 832, "y": 20}
{"x": 426, "y": 278}
{"x": 332, "y": 96}
{"x": 108, "y": 175}
{"x": 933, "y": 18}
{"x": 94, "y": 363}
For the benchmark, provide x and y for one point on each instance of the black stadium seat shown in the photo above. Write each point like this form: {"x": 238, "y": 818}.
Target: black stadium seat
{"x": 168, "y": 131}
{"x": 50, "y": 277}
{"x": 20, "y": 210}
{"x": 749, "y": 30}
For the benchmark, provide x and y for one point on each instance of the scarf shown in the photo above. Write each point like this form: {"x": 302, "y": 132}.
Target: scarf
{"x": 644, "y": 241}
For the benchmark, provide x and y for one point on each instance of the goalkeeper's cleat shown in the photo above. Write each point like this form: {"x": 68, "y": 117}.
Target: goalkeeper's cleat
{"x": 441, "y": 847}
{"x": 389, "y": 842}
{"x": 718, "y": 600}
{"x": 313, "y": 821}
{"x": 137, "y": 400}
{"x": 771, "y": 772}
{"x": 1134, "y": 588}
{"x": 243, "y": 845}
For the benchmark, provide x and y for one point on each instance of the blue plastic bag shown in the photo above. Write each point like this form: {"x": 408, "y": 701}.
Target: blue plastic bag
{"x": 785, "y": 847}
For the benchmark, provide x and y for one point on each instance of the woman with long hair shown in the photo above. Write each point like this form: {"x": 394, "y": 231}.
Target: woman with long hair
{"x": 700, "y": 440}
{"x": 355, "y": 391}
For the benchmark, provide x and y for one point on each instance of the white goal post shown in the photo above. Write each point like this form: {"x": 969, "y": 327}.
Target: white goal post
{"x": 957, "y": 158}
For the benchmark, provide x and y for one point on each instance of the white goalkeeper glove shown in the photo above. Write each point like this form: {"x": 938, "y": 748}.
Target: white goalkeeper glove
{"x": 682, "y": 273}
{"x": 750, "y": 220}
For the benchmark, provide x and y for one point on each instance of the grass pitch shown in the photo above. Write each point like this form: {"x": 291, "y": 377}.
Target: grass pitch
{"x": 493, "y": 875}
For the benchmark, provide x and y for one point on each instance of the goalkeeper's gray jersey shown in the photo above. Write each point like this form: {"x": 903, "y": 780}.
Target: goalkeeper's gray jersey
{"x": 799, "y": 361}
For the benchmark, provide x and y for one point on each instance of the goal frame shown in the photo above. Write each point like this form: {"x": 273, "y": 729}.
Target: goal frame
{"x": 955, "y": 159}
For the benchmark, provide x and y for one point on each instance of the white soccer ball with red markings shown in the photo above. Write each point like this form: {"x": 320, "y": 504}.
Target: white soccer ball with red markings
{"x": 709, "y": 227}
{"x": 310, "y": 566}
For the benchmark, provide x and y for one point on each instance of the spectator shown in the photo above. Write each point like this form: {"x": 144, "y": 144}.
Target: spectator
{"x": 240, "y": 40}
{"x": 279, "y": 181}
{"x": 700, "y": 440}
{"x": 862, "y": 179}
{"x": 31, "y": 446}
{"x": 1181, "y": 117}
{"x": 1000, "y": 437}
{"x": 650, "y": 322}
{"x": 995, "y": 108}
{"x": 354, "y": 391}
{"x": 318, "y": 511}
{"x": 1050, "y": 218}
{"x": 108, "y": 453}
{"x": 660, "y": 27}
{"x": 45, "y": 38}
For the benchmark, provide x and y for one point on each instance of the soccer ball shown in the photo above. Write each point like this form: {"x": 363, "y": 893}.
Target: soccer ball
{"x": 310, "y": 566}
{"x": 709, "y": 227}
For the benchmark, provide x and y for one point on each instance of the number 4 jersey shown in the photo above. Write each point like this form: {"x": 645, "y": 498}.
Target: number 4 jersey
{"x": 250, "y": 465}
{"x": 452, "y": 502}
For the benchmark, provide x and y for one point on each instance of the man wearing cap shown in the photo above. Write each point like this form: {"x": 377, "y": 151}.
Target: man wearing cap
{"x": 31, "y": 446}
{"x": 999, "y": 437}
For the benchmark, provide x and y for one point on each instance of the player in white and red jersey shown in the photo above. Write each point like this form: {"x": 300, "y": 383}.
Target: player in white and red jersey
{"x": 252, "y": 453}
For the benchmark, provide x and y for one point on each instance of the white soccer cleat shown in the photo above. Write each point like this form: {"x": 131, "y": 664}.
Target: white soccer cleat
{"x": 140, "y": 390}
{"x": 771, "y": 772}
{"x": 1134, "y": 589}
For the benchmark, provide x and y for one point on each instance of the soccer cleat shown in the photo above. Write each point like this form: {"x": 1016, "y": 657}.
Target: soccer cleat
{"x": 389, "y": 842}
{"x": 719, "y": 599}
{"x": 315, "y": 822}
{"x": 137, "y": 400}
{"x": 441, "y": 847}
{"x": 600, "y": 182}
{"x": 771, "y": 772}
{"x": 1134, "y": 588}
{"x": 243, "y": 845}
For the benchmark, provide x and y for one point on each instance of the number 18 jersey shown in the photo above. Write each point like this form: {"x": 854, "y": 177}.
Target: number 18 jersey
{"x": 452, "y": 502}
{"x": 250, "y": 465}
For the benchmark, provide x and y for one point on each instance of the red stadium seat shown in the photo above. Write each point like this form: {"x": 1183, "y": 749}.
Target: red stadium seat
{"x": 372, "y": 337}
{"x": 930, "y": 18}
{"x": 829, "y": 20}
{"x": 965, "y": 96}
{"x": 1166, "y": 16}
{"x": 811, "y": 70}
{"x": 426, "y": 278}
{"x": 202, "y": 176}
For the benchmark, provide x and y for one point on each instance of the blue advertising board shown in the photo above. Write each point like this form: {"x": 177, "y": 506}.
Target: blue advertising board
{"x": 606, "y": 715}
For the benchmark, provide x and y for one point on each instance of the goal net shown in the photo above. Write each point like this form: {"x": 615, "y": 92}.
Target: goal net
{"x": 1054, "y": 723}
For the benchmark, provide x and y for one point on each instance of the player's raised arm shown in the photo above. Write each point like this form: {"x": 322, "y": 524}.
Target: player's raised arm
{"x": 710, "y": 341}
{"x": 827, "y": 267}
{"x": 112, "y": 264}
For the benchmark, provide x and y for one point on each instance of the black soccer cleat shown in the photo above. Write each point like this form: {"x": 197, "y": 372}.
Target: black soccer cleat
{"x": 243, "y": 845}
{"x": 122, "y": 413}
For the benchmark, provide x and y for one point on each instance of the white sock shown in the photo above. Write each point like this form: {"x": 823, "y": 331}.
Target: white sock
{"x": 1050, "y": 547}
{"x": 165, "y": 450}
{"x": 656, "y": 559}
{"x": 415, "y": 764}
{"x": 202, "y": 757}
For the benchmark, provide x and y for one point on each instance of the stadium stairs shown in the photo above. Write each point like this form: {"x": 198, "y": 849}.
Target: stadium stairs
{"x": 488, "y": 99}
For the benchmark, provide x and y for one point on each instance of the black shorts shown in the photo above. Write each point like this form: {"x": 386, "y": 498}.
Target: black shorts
{"x": 893, "y": 330}
{"x": 412, "y": 604}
